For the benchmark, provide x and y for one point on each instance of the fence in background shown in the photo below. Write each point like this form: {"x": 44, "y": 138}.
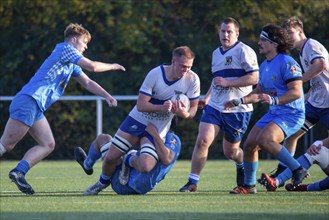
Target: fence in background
{"x": 307, "y": 139}
{"x": 99, "y": 105}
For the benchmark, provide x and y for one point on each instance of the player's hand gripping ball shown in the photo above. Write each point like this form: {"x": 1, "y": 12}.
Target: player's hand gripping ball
{"x": 182, "y": 100}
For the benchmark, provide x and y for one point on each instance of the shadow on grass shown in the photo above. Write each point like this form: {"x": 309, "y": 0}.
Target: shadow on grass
{"x": 154, "y": 215}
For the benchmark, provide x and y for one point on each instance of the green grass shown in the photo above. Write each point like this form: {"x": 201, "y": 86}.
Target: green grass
{"x": 59, "y": 186}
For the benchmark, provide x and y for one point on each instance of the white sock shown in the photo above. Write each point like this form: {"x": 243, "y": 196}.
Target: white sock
{"x": 2, "y": 150}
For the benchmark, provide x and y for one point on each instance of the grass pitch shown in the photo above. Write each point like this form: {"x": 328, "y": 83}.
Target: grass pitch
{"x": 59, "y": 186}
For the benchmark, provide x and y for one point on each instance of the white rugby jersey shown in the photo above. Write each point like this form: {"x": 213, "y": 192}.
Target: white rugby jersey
{"x": 160, "y": 90}
{"x": 233, "y": 63}
{"x": 319, "y": 91}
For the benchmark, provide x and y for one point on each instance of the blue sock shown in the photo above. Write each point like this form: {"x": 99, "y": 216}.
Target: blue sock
{"x": 250, "y": 169}
{"x": 23, "y": 166}
{"x": 106, "y": 180}
{"x": 285, "y": 157}
{"x": 287, "y": 174}
{"x": 92, "y": 157}
{"x": 128, "y": 160}
{"x": 319, "y": 186}
{"x": 194, "y": 178}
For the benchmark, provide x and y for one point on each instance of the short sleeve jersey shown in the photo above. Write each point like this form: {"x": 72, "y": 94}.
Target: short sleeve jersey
{"x": 233, "y": 63}
{"x": 145, "y": 182}
{"x": 274, "y": 75}
{"x": 160, "y": 89}
{"x": 49, "y": 82}
{"x": 319, "y": 91}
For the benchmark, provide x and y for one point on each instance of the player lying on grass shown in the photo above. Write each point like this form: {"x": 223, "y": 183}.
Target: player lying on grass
{"x": 128, "y": 179}
{"x": 318, "y": 153}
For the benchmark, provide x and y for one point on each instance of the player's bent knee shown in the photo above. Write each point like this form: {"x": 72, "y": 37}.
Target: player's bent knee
{"x": 51, "y": 146}
{"x": 103, "y": 139}
{"x": 121, "y": 143}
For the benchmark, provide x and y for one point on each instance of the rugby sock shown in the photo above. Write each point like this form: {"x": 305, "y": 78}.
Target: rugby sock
{"x": 92, "y": 157}
{"x": 250, "y": 169}
{"x": 2, "y": 150}
{"x": 287, "y": 174}
{"x": 319, "y": 186}
{"x": 23, "y": 166}
{"x": 281, "y": 166}
{"x": 106, "y": 180}
{"x": 128, "y": 160}
{"x": 285, "y": 157}
{"x": 194, "y": 178}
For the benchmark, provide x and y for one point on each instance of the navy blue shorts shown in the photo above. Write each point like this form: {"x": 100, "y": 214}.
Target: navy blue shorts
{"x": 233, "y": 125}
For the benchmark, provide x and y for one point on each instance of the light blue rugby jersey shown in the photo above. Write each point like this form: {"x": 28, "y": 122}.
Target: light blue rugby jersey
{"x": 50, "y": 81}
{"x": 145, "y": 182}
{"x": 274, "y": 75}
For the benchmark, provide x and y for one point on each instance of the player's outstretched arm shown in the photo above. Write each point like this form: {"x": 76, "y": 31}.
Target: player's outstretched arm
{"x": 96, "y": 66}
{"x": 96, "y": 89}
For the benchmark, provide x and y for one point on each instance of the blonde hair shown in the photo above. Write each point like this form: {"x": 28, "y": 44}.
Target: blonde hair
{"x": 74, "y": 29}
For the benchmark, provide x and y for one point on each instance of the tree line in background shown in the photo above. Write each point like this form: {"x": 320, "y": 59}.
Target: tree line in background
{"x": 138, "y": 34}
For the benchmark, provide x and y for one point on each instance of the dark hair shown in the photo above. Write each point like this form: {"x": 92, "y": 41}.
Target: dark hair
{"x": 280, "y": 36}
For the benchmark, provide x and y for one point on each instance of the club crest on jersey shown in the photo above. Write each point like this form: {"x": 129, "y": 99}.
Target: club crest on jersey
{"x": 228, "y": 60}
{"x": 293, "y": 69}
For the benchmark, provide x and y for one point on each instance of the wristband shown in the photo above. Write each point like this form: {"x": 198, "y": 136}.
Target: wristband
{"x": 274, "y": 100}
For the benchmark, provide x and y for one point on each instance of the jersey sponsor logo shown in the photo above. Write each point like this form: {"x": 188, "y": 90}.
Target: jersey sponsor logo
{"x": 159, "y": 116}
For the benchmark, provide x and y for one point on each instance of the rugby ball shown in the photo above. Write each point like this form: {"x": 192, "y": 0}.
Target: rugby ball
{"x": 182, "y": 98}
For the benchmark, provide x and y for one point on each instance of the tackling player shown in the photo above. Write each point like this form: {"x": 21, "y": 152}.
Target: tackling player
{"x": 127, "y": 178}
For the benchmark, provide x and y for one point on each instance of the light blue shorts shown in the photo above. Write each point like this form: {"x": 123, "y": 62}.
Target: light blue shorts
{"x": 25, "y": 109}
{"x": 117, "y": 187}
{"x": 233, "y": 125}
{"x": 289, "y": 123}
